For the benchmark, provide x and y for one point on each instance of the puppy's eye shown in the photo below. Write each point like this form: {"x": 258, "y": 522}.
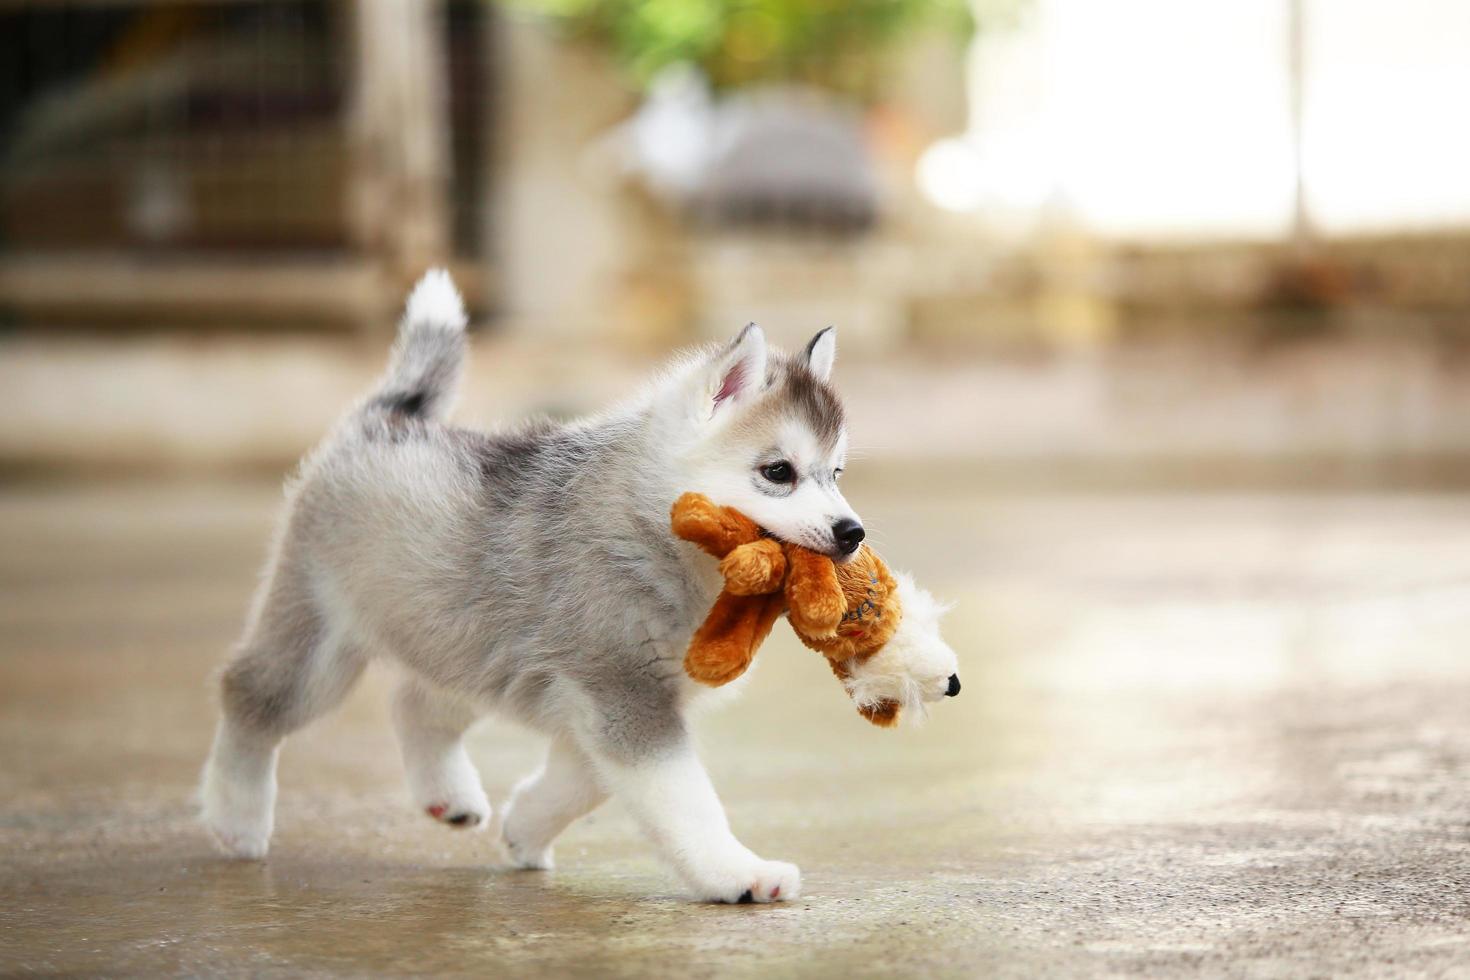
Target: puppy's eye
{"x": 837, "y": 473}
{"x": 779, "y": 472}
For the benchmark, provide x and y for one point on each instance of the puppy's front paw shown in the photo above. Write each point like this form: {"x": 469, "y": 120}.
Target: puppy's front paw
{"x": 463, "y": 817}
{"x": 758, "y": 881}
{"x": 239, "y": 813}
{"x": 525, "y": 841}
{"x": 527, "y": 857}
{"x": 451, "y": 793}
{"x": 245, "y": 843}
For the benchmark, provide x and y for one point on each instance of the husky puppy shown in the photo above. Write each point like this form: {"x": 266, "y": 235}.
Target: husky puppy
{"x": 533, "y": 572}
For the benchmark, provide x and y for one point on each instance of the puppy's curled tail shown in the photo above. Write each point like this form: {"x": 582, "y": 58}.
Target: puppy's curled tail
{"x": 428, "y": 357}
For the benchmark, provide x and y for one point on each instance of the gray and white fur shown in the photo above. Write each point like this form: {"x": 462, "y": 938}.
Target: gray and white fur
{"x": 530, "y": 572}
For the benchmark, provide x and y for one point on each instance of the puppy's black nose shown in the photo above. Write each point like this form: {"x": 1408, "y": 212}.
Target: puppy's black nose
{"x": 954, "y": 686}
{"x": 848, "y": 534}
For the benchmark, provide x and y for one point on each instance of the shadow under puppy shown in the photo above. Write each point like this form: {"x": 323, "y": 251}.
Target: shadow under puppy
{"x": 529, "y": 572}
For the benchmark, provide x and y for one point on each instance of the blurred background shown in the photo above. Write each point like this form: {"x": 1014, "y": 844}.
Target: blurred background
{"x": 1154, "y": 329}
{"x": 1191, "y": 237}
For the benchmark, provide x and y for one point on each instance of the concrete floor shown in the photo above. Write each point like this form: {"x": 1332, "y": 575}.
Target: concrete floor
{"x": 1216, "y": 734}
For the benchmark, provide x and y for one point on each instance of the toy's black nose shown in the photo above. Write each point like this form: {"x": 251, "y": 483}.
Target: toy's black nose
{"x": 954, "y": 686}
{"x": 848, "y": 534}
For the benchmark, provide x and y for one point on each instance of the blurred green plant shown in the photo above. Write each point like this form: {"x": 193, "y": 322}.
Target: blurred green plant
{"x": 834, "y": 44}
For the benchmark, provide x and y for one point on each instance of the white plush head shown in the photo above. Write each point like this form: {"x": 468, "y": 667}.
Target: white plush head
{"x": 915, "y": 667}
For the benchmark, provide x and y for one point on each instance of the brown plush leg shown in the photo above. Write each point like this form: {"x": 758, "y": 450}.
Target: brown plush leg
{"x": 725, "y": 644}
{"x": 884, "y": 714}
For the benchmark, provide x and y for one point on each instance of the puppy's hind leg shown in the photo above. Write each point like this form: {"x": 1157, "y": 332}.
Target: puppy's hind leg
{"x": 431, "y": 724}
{"x": 290, "y": 669}
{"x": 544, "y": 803}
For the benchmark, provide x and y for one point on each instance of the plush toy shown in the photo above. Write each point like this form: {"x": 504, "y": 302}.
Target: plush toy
{"x": 762, "y": 575}
{"x": 851, "y": 613}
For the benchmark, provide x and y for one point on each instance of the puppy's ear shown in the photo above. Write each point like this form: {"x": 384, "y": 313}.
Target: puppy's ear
{"x": 821, "y": 351}
{"x": 739, "y": 370}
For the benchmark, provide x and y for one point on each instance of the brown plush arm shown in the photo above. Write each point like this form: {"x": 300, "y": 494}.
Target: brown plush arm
{"x": 718, "y": 530}
{"x": 813, "y": 595}
{"x": 755, "y": 568}
{"x": 723, "y": 647}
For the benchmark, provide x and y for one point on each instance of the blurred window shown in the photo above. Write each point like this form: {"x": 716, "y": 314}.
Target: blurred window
{"x": 173, "y": 125}
{"x": 1169, "y": 119}
{"x": 206, "y": 126}
{"x": 1386, "y": 144}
